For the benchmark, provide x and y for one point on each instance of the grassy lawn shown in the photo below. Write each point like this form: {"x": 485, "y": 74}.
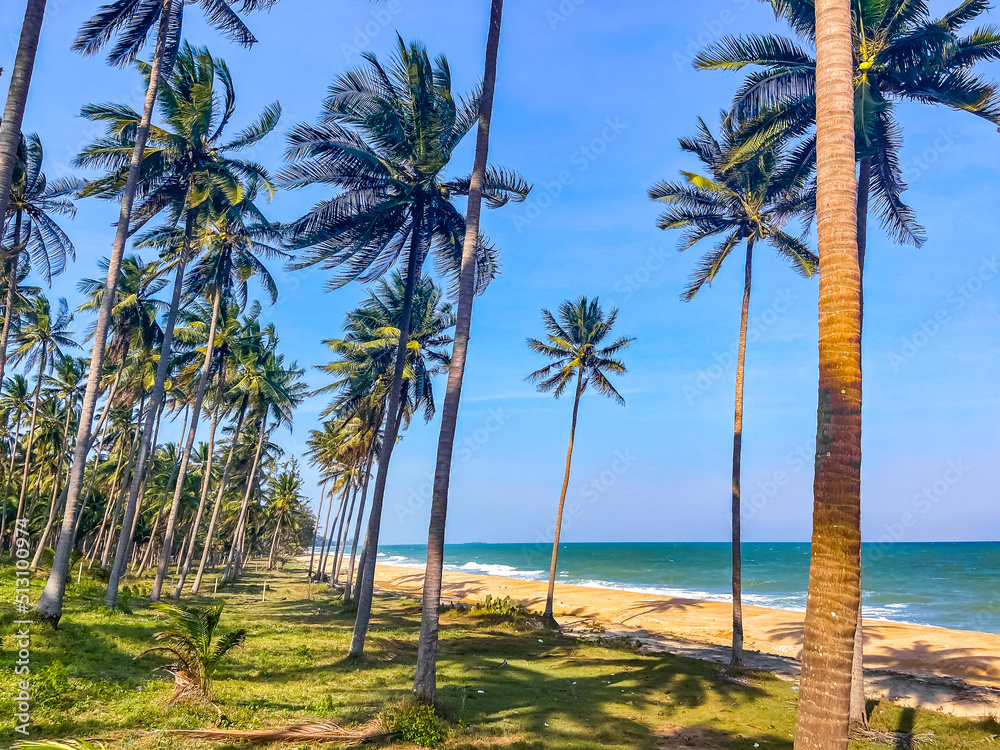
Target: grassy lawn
{"x": 553, "y": 693}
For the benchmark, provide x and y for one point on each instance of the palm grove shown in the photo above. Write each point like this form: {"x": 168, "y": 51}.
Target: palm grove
{"x": 177, "y": 337}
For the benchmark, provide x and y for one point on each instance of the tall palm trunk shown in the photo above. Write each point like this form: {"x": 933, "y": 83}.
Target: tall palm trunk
{"x": 107, "y": 506}
{"x": 49, "y": 605}
{"x": 31, "y": 434}
{"x": 234, "y": 552}
{"x": 53, "y": 504}
{"x": 338, "y": 554}
{"x": 367, "y": 589}
{"x": 274, "y": 544}
{"x": 206, "y": 482}
{"x": 835, "y": 570}
{"x": 328, "y": 533}
{"x": 319, "y": 523}
{"x": 548, "y": 616}
{"x": 210, "y": 534}
{"x": 737, "y": 655}
{"x": 8, "y": 310}
{"x": 349, "y": 578}
{"x": 425, "y": 682}
{"x": 144, "y": 561}
{"x": 17, "y": 98}
{"x": 859, "y": 711}
{"x": 206, "y": 372}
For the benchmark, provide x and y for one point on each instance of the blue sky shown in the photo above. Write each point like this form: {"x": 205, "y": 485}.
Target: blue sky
{"x": 592, "y": 96}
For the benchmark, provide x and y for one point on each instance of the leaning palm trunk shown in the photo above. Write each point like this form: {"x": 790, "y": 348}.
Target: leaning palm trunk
{"x": 425, "y": 682}
{"x": 328, "y": 533}
{"x": 234, "y": 551}
{"x": 835, "y": 570}
{"x": 168, "y": 532}
{"x": 349, "y": 578}
{"x": 367, "y": 588}
{"x": 737, "y": 655}
{"x": 210, "y": 534}
{"x": 274, "y": 544}
{"x": 31, "y": 436}
{"x": 17, "y": 98}
{"x": 548, "y": 617}
{"x": 57, "y": 499}
{"x": 206, "y": 482}
{"x": 49, "y": 605}
{"x": 345, "y": 523}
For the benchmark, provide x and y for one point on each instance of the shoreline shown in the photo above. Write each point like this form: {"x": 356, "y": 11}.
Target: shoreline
{"x": 930, "y": 655}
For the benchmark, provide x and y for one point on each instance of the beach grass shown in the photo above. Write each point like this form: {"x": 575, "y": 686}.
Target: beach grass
{"x": 503, "y": 682}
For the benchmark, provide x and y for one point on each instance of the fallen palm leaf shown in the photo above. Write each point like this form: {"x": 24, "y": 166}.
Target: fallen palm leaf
{"x": 318, "y": 731}
{"x": 900, "y": 740}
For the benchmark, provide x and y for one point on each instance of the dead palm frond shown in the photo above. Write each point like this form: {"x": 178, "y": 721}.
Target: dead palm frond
{"x": 318, "y": 731}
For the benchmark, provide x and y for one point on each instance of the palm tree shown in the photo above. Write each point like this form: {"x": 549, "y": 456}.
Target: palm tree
{"x": 286, "y": 501}
{"x": 748, "y": 203}
{"x": 17, "y": 96}
{"x": 574, "y": 343}
{"x": 425, "y": 681}
{"x": 29, "y": 225}
{"x": 13, "y": 401}
{"x": 386, "y": 135}
{"x": 130, "y": 23}
{"x": 41, "y": 339}
{"x": 835, "y": 571}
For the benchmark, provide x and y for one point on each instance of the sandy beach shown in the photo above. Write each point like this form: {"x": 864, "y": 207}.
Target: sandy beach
{"x": 945, "y": 662}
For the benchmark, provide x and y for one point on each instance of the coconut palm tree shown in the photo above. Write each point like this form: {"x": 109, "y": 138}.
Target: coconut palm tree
{"x": 14, "y": 404}
{"x": 386, "y": 136}
{"x": 747, "y": 204}
{"x": 425, "y": 682}
{"x": 29, "y": 225}
{"x": 17, "y": 97}
{"x": 286, "y": 502}
{"x": 574, "y": 343}
{"x": 835, "y": 571}
{"x": 130, "y": 24}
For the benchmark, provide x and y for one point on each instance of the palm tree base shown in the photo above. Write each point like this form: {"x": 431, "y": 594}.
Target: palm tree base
{"x": 549, "y": 621}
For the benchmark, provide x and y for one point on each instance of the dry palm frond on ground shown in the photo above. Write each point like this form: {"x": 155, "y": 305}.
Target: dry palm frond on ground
{"x": 319, "y": 731}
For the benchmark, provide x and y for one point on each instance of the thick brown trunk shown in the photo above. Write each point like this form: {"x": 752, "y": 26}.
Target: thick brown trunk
{"x": 206, "y": 373}
{"x": 367, "y": 588}
{"x": 17, "y": 97}
{"x": 548, "y": 617}
{"x": 219, "y": 493}
{"x": 737, "y": 655}
{"x": 49, "y": 605}
{"x": 859, "y": 710}
{"x": 425, "y": 681}
{"x": 835, "y": 570}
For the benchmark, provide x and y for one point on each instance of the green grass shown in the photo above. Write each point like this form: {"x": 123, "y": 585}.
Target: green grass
{"x": 554, "y": 693}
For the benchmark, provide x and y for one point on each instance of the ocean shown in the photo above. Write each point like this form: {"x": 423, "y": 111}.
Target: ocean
{"x": 950, "y": 585}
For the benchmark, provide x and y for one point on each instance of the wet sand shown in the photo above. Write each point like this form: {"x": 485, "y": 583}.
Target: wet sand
{"x": 930, "y": 652}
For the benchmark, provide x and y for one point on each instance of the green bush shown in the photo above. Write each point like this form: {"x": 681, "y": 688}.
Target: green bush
{"x": 415, "y": 722}
{"x": 505, "y": 607}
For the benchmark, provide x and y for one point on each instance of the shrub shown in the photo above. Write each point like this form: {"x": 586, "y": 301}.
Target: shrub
{"x": 505, "y": 607}
{"x": 415, "y": 722}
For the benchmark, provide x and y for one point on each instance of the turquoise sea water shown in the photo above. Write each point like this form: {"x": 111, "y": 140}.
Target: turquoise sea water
{"x": 951, "y": 585}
